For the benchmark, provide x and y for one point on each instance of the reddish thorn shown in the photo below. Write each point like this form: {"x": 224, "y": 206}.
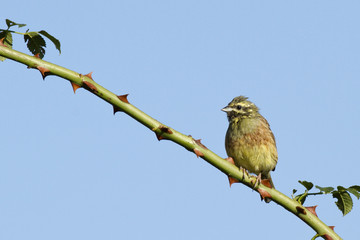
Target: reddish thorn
{"x": 75, "y": 86}
{"x": 230, "y": 160}
{"x": 89, "y": 75}
{"x": 165, "y": 129}
{"x": 312, "y": 209}
{"x": 332, "y": 227}
{"x": 327, "y": 237}
{"x": 90, "y": 86}
{"x": 159, "y": 137}
{"x": 264, "y": 194}
{"x": 300, "y": 210}
{"x": 198, "y": 152}
{"x": 232, "y": 180}
{"x": 198, "y": 142}
{"x": 123, "y": 98}
{"x": 44, "y": 71}
{"x": 266, "y": 182}
{"x": 37, "y": 55}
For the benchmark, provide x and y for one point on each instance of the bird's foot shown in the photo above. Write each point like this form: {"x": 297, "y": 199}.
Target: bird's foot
{"x": 257, "y": 181}
{"x": 244, "y": 172}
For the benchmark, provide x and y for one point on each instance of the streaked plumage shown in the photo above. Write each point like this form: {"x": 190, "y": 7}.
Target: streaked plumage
{"x": 249, "y": 139}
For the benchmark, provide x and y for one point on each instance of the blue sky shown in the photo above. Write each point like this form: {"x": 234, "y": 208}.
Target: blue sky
{"x": 72, "y": 170}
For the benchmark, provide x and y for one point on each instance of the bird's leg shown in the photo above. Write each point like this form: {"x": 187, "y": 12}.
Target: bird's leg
{"x": 258, "y": 181}
{"x": 244, "y": 172}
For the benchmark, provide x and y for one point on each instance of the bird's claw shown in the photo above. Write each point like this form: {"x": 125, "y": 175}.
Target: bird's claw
{"x": 258, "y": 181}
{"x": 244, "y": 172}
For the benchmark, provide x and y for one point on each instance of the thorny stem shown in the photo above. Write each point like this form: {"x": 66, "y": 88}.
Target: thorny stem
{"x": 164, "y": 132}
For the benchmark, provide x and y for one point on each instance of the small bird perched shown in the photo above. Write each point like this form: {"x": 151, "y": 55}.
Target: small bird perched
{"x": 249, "y": 140}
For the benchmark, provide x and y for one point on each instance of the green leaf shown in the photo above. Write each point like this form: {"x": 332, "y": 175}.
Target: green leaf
{"x": 7, "y": 38}
{"x": 307, "y": 185}
{"x": 341, "y": 189}
{"x": 10, "y": 23}
{"x": 294, "y": 191}
{"x": 35, "y": 43}
{"x": 325, "y": 189}
{"x": 355, "y": 190}
{"x": 51, "y": 38}
{"x": 344, "y": 202}
{"x": 356, "y": 187}
{"x": 7, "y": 41}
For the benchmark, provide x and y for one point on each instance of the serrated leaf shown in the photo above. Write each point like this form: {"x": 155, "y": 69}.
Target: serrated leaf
{"x": 55, "y": 41}
{"x": 10, "y": 23}
{"x": 307, "y": 185}
{"x": 344, "y": 202}
{"x": 35, "y": 43}
{"x": 355, "y": 191}
{"x": 325, "y": 189}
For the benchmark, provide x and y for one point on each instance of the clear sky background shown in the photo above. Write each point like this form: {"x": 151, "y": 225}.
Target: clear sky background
{"x": 69, "y": 169}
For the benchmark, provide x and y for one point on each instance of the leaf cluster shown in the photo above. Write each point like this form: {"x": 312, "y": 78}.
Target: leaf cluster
{"x": 34, "y": 40}
{"x": 344, "y": 201}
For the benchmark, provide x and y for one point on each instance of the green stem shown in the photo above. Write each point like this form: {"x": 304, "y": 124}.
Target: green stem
{"x": 7, "y": 30}
{"x": 166, "y": 132}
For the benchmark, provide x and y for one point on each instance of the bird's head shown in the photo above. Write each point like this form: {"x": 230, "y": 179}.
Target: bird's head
{"x": 240, "y": 108}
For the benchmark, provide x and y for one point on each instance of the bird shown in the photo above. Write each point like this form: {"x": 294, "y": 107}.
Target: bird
{"x": 249, "y": 140}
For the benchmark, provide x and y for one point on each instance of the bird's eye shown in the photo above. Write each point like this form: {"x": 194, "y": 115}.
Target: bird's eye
{"x": 238, "y": 107}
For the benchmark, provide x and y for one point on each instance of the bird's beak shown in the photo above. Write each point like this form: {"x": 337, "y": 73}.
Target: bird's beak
{"x": 226, "y": 109}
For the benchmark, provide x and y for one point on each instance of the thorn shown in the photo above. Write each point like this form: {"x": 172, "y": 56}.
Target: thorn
{"x": 165, "y": 129}
{"x": 123, "y": 98}
{"x": 327, "y": 237}
{"x": 75, "y": 86}
{"x": 198, "y": 142}
{"x": 232, "y": 180}
{"x": 44, "y": 71}
{"x": 264, "y": 195}
{"x": 266, "y": 183}
{"x": 159, "y": 137}
{"x": 300, "y": 210}
{"x": 90, "y": 86}
{"x": 89, "y": 75}
{"x": 37, "y": 55}
{"x": 116, "y": 109}
{"x": 230, "y": 160}
{"x": 332, "y": 227}
{"x": 2, "y": 42}
{"x": 312, "y": 209}
{"x": 198, "y": 152}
